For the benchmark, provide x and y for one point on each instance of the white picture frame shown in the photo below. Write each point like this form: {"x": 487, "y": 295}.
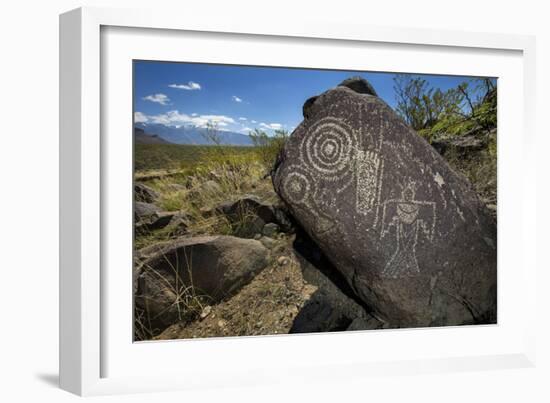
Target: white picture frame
{"x": 97, "y": 358}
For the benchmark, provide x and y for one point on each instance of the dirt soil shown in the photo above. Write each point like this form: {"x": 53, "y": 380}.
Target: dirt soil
{"x": 267, "y": 305}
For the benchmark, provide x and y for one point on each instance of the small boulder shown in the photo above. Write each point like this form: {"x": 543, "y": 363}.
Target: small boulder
{"x": 178, "y": 224}
{"x": 283, "y": 261}
{"x": 328, "y": 308}
{"x": 143, "y": 193}
{"x": 207, "y": 310}
{"x": 249, "y": 215}
{"x": 148, "y": 217}
{"x": 270, "y": 229}
{"x": 144, "y": 210}
{"x": 269, "y": 243}
{"x": 173, "y": 277}
{"x": 462, "y": 145}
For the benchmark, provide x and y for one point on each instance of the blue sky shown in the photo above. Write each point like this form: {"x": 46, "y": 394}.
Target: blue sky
{"x": 241, "y": 98}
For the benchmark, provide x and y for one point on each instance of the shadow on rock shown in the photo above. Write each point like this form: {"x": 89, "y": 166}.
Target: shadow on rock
{"x": 333, "y": 307}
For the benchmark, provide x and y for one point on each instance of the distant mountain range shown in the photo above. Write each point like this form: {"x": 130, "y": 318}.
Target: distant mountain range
{"x": 153, "y": 133}
{"x": 146, "y": 138}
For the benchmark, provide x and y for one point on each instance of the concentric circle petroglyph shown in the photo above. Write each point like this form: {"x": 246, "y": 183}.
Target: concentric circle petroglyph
{"x": 329, "y": 148}
{"x": 297, "y": 185}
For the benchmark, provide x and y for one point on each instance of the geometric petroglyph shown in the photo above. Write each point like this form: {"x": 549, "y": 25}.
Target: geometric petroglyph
{"x": 327, "y": 159}
{"x": 410, "y": 218}
{"x": 328, "y": 149}
{"x": 297, "y": 185}
{"x": 299, "y": 188}
{"x": 369, "y": 177}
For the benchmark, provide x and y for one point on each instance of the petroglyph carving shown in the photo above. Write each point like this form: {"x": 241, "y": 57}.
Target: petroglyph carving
{"x": 328, "y": 148}
{"x": 386, "y": 210}
{"x": 369, "y": 176}
{"x": 410, "y": 218}
{"x": 297, "y": 185}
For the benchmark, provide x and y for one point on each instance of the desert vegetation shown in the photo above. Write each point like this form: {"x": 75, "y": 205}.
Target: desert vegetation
{"x": 187, "y": 195}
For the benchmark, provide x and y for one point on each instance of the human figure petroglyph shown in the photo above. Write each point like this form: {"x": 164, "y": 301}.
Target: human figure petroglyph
{"x": 410, "y": 218}
{"x": 388, "y": 243}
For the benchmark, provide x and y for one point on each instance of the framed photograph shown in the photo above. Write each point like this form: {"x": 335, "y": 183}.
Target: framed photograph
{"x": 237, "y": 197}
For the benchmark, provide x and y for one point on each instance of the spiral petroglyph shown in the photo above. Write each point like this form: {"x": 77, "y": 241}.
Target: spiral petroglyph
{"x": 329, "y": 148}
{"x": 297, "y": 185}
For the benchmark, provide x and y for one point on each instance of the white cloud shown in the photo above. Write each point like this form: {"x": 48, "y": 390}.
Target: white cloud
{"x": 140, "y": 118}
{"x": 236, "y": 98}
{"x": 272, "y": 126}
{"x": 175, "y": 118}
{"x": 241, "y": 118}
{"x": 245, "y": 129}
{"x": 190, "y": 86}
{"x": 157, "y": 98}
{"x": 253, "y": 121}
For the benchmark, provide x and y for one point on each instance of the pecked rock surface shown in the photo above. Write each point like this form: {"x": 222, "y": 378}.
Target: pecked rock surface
{"x": 408, "y": 234}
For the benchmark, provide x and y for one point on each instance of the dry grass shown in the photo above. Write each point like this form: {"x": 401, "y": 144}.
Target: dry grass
{"x": 267, "y": 305}
{"x": 188, "y": 300}
{"x": 219, "y": 179}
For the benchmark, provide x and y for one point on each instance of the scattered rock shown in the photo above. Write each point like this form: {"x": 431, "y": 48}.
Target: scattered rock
{"x": 267, "y": 305}
{"x": 145, "y": 194}
{"x": 461, "y": 145}
{"x": 328, "y": 308}
{"x": 249, "y": 215}
{"x": 205, "y": 312}
{"x": 209, "y": 267}
{"x": 269, "y": 243}
{"x": 270, "y": 229}
{"x": 178, "y": 224}
{"x": 148, "y": 217}
{"x": 144, "y": 210}
{"x": 405, "y": 231}
{"x": 283, "y": 261}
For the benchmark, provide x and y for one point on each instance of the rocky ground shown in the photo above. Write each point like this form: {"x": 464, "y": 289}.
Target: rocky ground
{"x": 288, "y": 292}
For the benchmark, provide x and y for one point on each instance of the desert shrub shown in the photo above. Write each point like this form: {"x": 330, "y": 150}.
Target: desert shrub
{"x": 268, "y": 147}
{"x": 469, "y": 110}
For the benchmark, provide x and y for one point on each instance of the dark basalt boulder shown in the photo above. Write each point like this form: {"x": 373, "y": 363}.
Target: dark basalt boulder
{"x": 148, "y": 217}
{"x": 249, "y": 215}
{"x": 409, "y": 235}
{"x": 143, "y": 193}
{"x": 170, "y": 277}
{"x": 358, "y": 85}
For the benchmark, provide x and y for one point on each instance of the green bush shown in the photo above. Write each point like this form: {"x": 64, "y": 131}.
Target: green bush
{"x": 268, "y": 147}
